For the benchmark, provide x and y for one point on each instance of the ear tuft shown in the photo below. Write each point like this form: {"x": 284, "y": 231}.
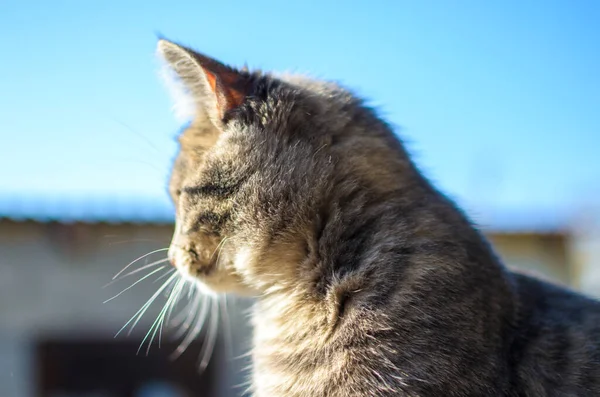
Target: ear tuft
{"x": 184, "y": 104}
{"x": 212, "y": 87}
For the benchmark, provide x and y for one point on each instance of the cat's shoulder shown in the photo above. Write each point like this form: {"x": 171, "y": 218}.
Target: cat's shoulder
{"x": 555, "y": 303}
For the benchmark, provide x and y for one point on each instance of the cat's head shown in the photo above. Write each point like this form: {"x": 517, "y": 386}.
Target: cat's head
{"x": 265, "y": 167}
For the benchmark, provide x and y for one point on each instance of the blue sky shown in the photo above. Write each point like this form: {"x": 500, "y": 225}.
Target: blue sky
{"x": 499, "y": 101}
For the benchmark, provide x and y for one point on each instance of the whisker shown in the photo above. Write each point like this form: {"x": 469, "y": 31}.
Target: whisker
{"x": 156, "y": 324}
{"x": 172, "y": 297}
{"x": 198, "y": 319}
{"x": 246, "y": 385}
{"x": 217, "y": 249}
{"x": 191, "y": 320}
{"x": 143, "y": 309}
{"x": 139, "y": 135}
{"x": 134, "y": 284}
{"x": 220, "y": 248}
{"x": 149, "y": 265}
{"x": 141, "y": 257}
{"x": 176, "y": 302}
{"x": 209, "y": 345}
{"x": 191, "y": 291}
{"x": 170, "y": 306}
{"x": 243, "y": 355}
{"x": 226, "y": 326}
{"x": 167, "y": 292}
{"x": 163, "y": 276}
{"x": 167, "y": 284}
{"x": 185, "y": 322}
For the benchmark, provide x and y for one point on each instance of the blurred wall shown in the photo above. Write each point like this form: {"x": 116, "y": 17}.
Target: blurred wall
{"x": 51, "y": 288}
{"x": 52, "y": 277}
{"x": 545, "y": 255}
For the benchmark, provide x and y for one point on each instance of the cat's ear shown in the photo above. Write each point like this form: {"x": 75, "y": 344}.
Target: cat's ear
{"x": 210, "y": 86}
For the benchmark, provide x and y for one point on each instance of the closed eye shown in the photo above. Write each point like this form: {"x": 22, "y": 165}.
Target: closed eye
{"x": 175, "y": 193}
{"x": 211, "y": 189}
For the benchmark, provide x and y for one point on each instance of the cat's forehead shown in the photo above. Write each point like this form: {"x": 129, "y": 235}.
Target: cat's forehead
{"x": 199, "y": 135}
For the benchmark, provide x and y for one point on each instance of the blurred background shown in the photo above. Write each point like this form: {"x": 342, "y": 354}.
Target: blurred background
{"x": 498, "y": 102}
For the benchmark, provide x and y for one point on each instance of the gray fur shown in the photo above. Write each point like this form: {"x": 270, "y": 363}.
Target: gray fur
{"x": 369, "y": 281}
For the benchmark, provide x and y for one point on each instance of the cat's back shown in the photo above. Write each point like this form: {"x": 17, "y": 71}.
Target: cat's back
{"x": 556, "y": 350}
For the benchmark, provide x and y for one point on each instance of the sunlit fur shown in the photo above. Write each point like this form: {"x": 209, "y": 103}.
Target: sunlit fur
{"x": 369, "y": 282}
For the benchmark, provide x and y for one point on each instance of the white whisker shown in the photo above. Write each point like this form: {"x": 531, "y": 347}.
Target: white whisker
{"x": 156, "y": 324}
{"x": 176, "y": 301}
{"x": 134, "y": 284}
{"x": 170, "y": 305}
{"x": 218, "y": 249}
{"x": 149, "y": 265}
{"x": 143, "y": 309}
{"x": 244, "y": 355}
{"x": 226, "y": 326}
{"x": 191, "y": 291}
{"x": 166, "y": 284}
{"x": 198, "y": 319}
{"x": 173, "y": 296}
{"x": 209, "y": 344}
{"x": 185, "y": 322}
{"x": 163, "y": 276}
{"x": 141, "y": 257}
{"x": 191, "y": 320}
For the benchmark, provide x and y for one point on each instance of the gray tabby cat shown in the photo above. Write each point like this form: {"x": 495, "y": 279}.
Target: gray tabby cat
{"x": 369, "y": 282}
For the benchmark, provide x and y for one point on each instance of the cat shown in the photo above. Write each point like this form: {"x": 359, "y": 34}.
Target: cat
{"x": 368, "y": 281}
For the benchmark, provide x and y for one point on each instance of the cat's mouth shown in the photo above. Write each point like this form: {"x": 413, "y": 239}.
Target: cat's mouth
{"x": 207, "y": 268}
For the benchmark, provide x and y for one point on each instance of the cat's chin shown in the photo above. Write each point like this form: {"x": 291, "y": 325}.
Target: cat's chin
{"x": 218, "y": 283}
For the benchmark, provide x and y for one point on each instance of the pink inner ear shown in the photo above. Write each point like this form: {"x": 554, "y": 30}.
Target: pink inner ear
{"x": 235, "y": 98}
{"x": 226, "y": 87}
{"x": 212, "y": 80}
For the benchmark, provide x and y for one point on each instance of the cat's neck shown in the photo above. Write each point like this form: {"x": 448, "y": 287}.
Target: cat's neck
{"x": 386, "y": 247}
{"x": 379, "y": 273}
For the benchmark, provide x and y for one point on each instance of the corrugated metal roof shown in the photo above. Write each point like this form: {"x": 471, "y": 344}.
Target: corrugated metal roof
{"x": 89, "y": 209}
{"x": 129, "y": 209}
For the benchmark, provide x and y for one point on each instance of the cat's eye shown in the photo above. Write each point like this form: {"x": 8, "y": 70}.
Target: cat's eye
{"x": 176, "y": 193}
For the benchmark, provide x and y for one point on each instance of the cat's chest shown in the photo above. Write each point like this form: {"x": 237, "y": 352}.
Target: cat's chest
{"x": 293, "y": 358}
{"x": 298, "y": 355}
{"x": 282, "y": 371}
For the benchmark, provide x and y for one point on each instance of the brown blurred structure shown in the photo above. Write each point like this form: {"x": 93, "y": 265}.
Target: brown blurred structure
{"x": 57, "y": 335}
